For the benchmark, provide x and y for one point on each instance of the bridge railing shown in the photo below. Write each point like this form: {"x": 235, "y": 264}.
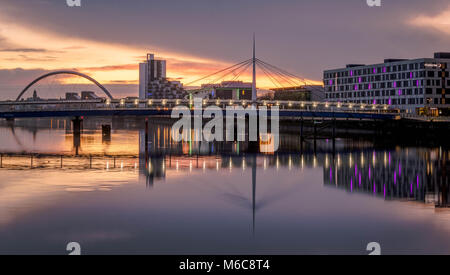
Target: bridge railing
{"x": 171, "y": 103}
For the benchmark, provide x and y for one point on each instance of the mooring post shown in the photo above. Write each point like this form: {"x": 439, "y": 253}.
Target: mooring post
{"x": 90, "y": 161}
{"x": 31, "y": 161}
{"x": 114, "y": 162}
{"x": 77, "y": 123}
{"x": 61, "y": 161}
{"x": 315, "y": 136}
{"x": 301, "y": 130}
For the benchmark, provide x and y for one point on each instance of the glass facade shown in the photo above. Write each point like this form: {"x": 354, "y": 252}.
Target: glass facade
{"x": 403, "y": 84}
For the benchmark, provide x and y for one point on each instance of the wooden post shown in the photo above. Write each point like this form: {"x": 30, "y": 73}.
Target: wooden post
{"x": 301, "y": 130}
{"x": 31, "y": 161}
{"x": 90, "y": 161}
{"x": 315, "y": 136}
{"x": 61, "y": 161}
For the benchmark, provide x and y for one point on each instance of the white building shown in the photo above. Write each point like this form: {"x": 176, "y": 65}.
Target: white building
{"x": 400, "y": 83}
{"x": 153, "y": 82}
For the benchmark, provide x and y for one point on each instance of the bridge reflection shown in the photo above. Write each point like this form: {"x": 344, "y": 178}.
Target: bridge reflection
{"x": 405, "y": 174}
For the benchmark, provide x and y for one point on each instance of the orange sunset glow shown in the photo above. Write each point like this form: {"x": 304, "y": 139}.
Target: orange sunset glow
{"x": 107, "y": 63}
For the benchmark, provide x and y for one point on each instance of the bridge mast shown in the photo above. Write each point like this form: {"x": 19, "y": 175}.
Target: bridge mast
{"x": 254, "y": 96}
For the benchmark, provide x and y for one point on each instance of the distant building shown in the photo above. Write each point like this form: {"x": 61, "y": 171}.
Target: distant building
{"x": 73, "y": 96}
{"x": 35, "y": 97}
{"x": 87, "y": 95}
{"x": 411, "y": 85}
{"x": 153, "y": 82}
{"x": 300, "y": 93}
{"x": 236, "y": 90}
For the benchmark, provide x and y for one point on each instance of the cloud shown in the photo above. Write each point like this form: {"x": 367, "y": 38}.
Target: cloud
{"x": 439, "y": 22}
{"x": 112, "y": 68}
{"x": 20, "y": 76}
{"x": 24, "y": 50}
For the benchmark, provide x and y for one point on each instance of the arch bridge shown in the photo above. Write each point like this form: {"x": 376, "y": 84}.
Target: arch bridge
{"x": 65, "y": 72}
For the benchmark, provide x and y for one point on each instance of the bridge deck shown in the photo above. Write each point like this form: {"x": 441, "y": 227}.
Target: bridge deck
{"x": 167, "y": 112}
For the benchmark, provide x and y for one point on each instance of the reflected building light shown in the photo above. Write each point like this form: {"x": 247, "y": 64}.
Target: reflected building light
{"x": 135, "y": 166}
{"x": 231, "y": 165}
{"x": 350, "y": 160}
{"x": 370, "y": 172}
{"x": 326, "y": 161}
{"x": 351, "y": 184}
{"x": 217, "y": 165}
{"x": 339, "y": 160}
{"x": 121, "y": 165}
{"x": 243, "y": 164}
{"x": 190, "y": 166}
{"x": 395, "y": 177}
{"x": 389, "y": 158}
{"x": 374, "y": 159}
{"x": 399, "y": 169}
{"x": 204, "y": 166}
{"x": 385, "y": 159}
{"x": 164, "y": 166}
{"x": 362, "y": 159}
{"x": 265, "y": 164}
{"x": 278, "y": 163}
{"x": 302, "y": 162}
{"x": 177, "y": 166}
{"x": 360, "y": 179}
{"x": 107, "y": 165}
{"x": 356, "y": 169}
{"x": 315, "y": 161}
{"x": 331, "y": 174}
{"x": 374, "y": 188}
{"x": 290, "y": 162}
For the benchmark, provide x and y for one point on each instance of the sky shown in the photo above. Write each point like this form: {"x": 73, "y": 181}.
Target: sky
{"x": 106, "y": 39}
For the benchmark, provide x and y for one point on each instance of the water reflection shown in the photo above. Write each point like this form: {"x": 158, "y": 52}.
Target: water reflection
{"x": 405, "y": 174}
{"x": 215, "y": 193}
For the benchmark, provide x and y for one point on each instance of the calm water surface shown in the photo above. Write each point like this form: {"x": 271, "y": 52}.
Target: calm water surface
{"x": 113, "y": 194}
